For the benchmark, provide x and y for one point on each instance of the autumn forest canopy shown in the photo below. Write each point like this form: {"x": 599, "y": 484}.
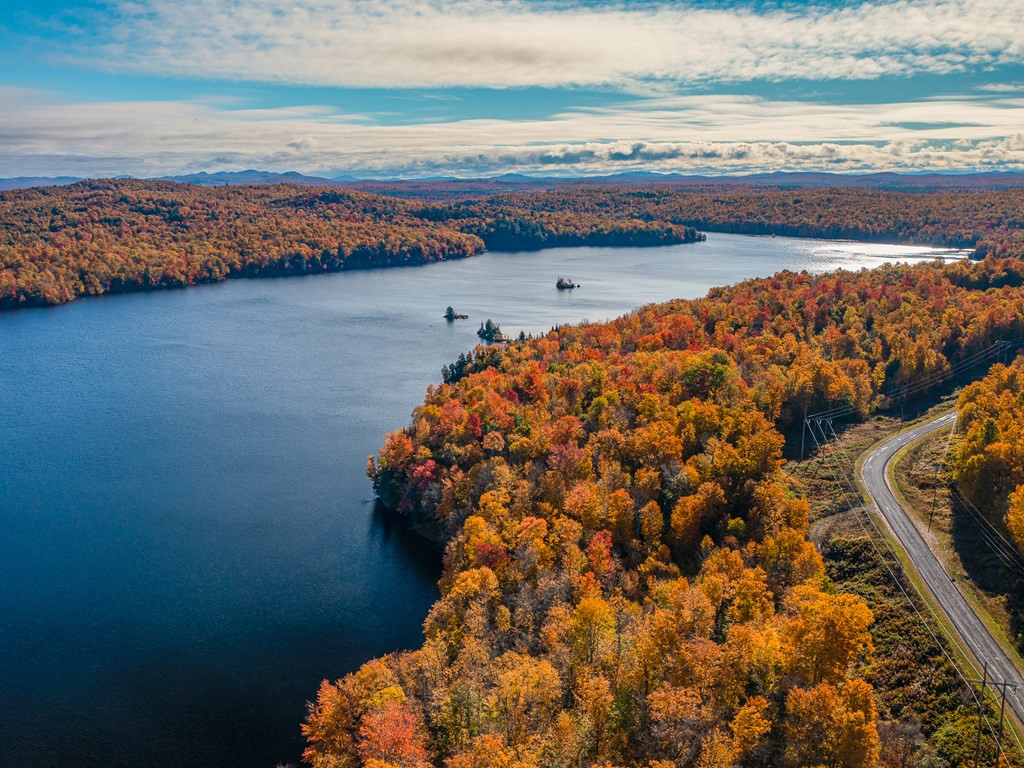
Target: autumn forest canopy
{"x": 112, "y": 236}
{"x": 107, "y": 236}
{"x": 989, "y": 461}
{"x": 628, "y": 578}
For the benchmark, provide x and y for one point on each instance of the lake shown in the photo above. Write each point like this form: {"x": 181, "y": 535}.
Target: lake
{"x": 188, "y": 543}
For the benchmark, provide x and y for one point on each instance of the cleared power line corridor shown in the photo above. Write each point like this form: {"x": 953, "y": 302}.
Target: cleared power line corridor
{"x": 976, "y": 635}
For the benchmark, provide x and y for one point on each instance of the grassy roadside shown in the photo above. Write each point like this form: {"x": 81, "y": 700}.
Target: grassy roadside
{"x": 953, "y": 641}
{"x": 919, "y": 485}
{"x": 915, "y": 682}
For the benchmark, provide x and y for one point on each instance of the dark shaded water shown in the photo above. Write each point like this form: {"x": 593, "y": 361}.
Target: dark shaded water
{"x": 187, "y": 543}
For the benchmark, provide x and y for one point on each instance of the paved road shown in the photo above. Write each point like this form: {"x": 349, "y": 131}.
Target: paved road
{"x": 972, "y": 629}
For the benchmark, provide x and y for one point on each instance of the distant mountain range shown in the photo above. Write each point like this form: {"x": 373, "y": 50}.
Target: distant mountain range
{"x": 881, "y": 180}
{"x": 226, "y": 178}
{"x": 888, "y": 180}
{"x": 22, "y": 182}
{"x": 203, "y": 179}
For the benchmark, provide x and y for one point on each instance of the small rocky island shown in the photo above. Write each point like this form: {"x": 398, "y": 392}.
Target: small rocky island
{"x": 491, "y": 331}
{"x": 451, "y": 314}
{"x": 563, "y": 284}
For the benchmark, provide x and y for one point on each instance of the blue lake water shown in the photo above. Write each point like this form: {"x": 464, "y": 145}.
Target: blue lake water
{"x": 187, "y": 539}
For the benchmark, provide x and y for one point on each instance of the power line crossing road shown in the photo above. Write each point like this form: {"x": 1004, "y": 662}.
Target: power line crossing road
{"x": 952, "y": 602}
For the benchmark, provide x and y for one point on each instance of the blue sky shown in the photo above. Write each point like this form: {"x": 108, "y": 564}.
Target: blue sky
{"x": 483, "y": 87}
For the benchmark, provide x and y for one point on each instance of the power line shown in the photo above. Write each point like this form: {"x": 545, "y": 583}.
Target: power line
{"x": 896, "y": 580}
{"x": 949, "y": 636}
{"x": 853, "y": 508}
{"x": 924, "y": 383}
{"x": 961, "y": 365}
{"x": 1002, "y": 715}
{"x": 981, "y": 516}
{"x": 981, "y": 714}
{"x": 991, "y": 535}
{"x": 966, "y": 362}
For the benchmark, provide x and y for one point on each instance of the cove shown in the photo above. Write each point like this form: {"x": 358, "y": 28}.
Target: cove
{"x": 188, "y": 543}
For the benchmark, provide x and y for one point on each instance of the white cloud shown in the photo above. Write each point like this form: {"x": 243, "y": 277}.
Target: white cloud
{"x": 41, "y": 135}
{"x": 510, "y": 43}
{"x": 1002, "y": 87}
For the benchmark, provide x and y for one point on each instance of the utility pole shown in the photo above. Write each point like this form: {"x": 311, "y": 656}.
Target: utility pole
{"x": 821, "y": 458}
{"x": 803, "y": 433}
{"x": 1002, "y": 713}
{"x": 981, "y": 713}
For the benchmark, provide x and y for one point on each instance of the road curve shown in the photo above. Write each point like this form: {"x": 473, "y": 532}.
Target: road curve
{"x": 971, "y": 628}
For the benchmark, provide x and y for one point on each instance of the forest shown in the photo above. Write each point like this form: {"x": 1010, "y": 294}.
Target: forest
{"x": 118, "y": 235}
{"x": 112, "y": 236}
{"x": 988, "y": 463}
{"x": 628, "y": 579}
{"x": 991, "y": 222}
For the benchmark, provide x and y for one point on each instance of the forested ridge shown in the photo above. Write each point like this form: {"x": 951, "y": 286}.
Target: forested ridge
{"x": 992, "y": 221}
{"x": 95, "y": 237}
{"x": 109, "y": 236}
{"x": 627, "y": 578}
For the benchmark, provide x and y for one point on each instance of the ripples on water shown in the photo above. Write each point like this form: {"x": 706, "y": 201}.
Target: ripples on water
{"x": 187, "y": 543}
